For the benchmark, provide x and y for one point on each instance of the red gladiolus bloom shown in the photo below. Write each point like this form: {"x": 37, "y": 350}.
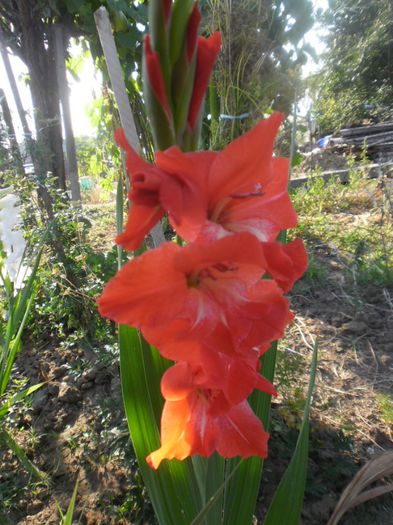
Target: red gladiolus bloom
{"x": 209, "y": 195}
{"x": 235, "y": 373}
{"x": 246, "y": 189}
{"x": 208, "y": 49}
{"x": 156, "y": 188}
{"x": 154, "y": 75}
{"x": 195, "y": 282}
{"x": 253, "y": 323}
{"x": 197, "y": 419}
{"x": 209, "y": 289}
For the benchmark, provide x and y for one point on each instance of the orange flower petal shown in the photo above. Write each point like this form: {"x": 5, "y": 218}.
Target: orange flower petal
{"x": 175, "y": 416}
{"x": 141, "y": 220}
{"x": 196, "y": 425}
{"x": 138, "y": 292}
{"x": 286, "y": 263}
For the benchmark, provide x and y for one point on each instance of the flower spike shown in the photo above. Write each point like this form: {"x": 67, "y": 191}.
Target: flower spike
{"x": 215, "y": 303}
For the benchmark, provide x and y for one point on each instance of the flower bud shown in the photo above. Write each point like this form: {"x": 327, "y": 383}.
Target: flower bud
{"x": 208, "y": 49}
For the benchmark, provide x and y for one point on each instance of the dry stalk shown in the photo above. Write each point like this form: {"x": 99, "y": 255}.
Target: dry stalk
{"x": 374, "y": 470}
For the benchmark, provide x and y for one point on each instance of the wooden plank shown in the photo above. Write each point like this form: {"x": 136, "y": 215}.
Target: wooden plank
{"x": 377, "y": 128}
{"x": 371, "y": 139}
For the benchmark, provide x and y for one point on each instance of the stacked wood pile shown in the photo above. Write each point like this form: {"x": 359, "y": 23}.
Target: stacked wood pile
{"x": 332, "y": 160}
{"x": 379, "y": 140}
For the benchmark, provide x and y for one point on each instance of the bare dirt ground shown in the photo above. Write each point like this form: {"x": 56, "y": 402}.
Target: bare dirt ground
{"x": 73, "y": 427}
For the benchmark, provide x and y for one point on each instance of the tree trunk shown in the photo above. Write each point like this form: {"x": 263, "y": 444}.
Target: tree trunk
{"x": 16, "y": 153}
{"x": 14, "y": 87}
{"x": 72, "y": 163}
{"x": 39, "y": 56}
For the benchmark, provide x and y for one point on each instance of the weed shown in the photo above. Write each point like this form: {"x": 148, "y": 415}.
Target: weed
{"x": 316, "y": 272}
{"x": 355, "y": 219}
{"x": 385, "y": 402}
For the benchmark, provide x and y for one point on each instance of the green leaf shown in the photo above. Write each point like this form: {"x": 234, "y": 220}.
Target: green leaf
{"x": 242, "y": 492}
{"x": 5, "y": 407}
{"x": 18, "y": 313}
{"x": 172, "y": 487}
{"x": 21, "y": 455}
{"x": 70, "y": 511}
{"x": 129, "y": 39}
{"x": 213, "y": 501}
{"x": 13, "y": 349}
{"x": 210, "y": 474}
{"x": 286, "y": 507}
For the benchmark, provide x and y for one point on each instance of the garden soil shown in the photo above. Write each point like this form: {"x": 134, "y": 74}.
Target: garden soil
{"x": 73, "y": 428}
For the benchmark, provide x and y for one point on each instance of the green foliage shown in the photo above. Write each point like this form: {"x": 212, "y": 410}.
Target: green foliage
{"x": 259, "y": 67}
{"x": 98, "y": 158}
{"x": 365, "y": 247}
{"x": 17, "y": 308}
{"x": 79, "y": 16}
{"x": 356, "y": 82}
{"x": 61, "y": 309}
{"x": 17, "y": 304}
{"x": 67, "y": 519}
{"x": 287, "y": 503}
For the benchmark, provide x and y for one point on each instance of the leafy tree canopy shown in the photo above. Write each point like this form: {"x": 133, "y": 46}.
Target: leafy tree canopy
{"x": 357, "y": 80}
{"x": 78, "y": 19}
{"x": 263, "y": 49}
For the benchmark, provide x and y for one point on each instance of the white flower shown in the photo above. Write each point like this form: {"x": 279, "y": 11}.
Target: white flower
{"x": 11, "y": 237}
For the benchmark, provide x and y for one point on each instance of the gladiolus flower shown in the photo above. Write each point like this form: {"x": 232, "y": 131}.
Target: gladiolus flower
{"x": 253, "y": 323}
{"x": 155, "y": 190}
{"x": 215, "y": 305}
{"x": 224, "y": 367}
{"x": 246, "y": 189}
{"x": 197, "y": 419}
{"x": 209, "y": 289}
{"x": 241, "y": 189}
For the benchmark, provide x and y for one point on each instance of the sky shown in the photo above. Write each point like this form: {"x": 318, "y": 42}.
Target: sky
{"x": 82, "y": 91}
{"x": 314, "y": 37}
